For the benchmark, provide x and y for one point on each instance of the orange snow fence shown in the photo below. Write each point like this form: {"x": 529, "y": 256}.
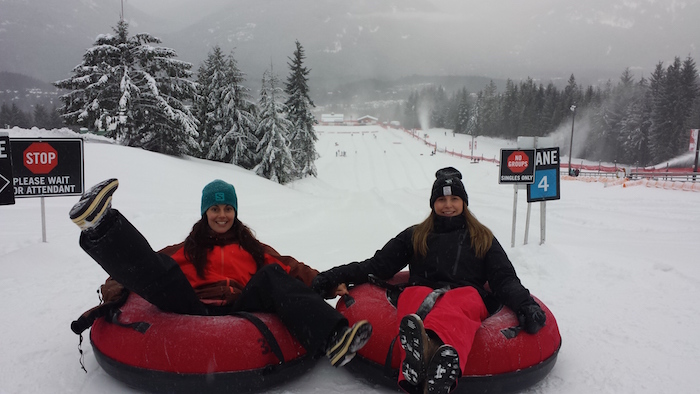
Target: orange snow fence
{"x": 687, "y": 186}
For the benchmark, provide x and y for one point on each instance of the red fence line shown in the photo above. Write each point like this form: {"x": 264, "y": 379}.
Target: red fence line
{"x": 580, "y": 167}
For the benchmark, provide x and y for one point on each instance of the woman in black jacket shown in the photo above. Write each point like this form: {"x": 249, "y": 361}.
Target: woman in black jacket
{"x": 451, "y": 257}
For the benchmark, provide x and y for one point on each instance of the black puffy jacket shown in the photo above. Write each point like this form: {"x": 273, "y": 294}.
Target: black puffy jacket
{"x": 450, "y": 261}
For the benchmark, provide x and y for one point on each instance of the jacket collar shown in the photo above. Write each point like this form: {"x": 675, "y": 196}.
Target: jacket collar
{"x": 443, "y": 224}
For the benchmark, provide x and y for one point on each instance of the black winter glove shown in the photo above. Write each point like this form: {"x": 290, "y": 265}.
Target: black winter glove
{"x": 322, "y": 284}
{"x": 531, "y": 318}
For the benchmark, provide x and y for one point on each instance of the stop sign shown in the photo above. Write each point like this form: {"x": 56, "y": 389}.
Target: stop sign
{"x": 40, "y": 158}
{"x": 518, "y": 161}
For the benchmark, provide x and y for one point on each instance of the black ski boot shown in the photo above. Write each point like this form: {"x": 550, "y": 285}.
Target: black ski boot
{"x": 414, "y": 341}
{"x": 442, "y": 371}
{"x": 89, "y": 211}
{"x": 346, "y": 342}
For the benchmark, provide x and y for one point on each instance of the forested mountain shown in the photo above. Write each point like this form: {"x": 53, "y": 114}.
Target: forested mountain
{"x": 25, "y": 91}
{"x": 352, "y": 40}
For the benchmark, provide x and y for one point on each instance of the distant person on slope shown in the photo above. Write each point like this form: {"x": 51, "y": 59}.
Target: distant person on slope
{"x": 451, "y": 257}
{"x": 220, "y": 268}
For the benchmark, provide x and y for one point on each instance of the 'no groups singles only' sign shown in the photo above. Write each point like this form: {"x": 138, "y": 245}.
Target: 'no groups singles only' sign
{"x": 47, "y": 167}
{"x": 517, "y": 166}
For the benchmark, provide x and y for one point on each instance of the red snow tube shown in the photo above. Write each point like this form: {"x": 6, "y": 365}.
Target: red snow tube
{"x": 166, "y": 352}
{"x": 499, "y": 361}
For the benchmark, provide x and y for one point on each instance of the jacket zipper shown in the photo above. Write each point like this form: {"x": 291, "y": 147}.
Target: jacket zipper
{"x": 462, "y": 238}
{"x": 222, "y": 260}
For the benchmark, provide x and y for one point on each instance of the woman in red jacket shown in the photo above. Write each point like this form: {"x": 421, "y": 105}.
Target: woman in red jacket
{"x": 219, "y": 269}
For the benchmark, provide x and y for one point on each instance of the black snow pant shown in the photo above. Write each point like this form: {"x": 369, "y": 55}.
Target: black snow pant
{"x": 122, "y": 251}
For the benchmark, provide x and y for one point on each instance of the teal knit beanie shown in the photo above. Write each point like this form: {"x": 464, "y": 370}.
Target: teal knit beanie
{"x": 219, "y": 192}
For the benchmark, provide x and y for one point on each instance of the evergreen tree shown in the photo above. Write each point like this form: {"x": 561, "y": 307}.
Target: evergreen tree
{"x": 659, "y": 122}
{"x": 452, "y": 111}
{"x": 490, "y": 111}
{"x": 614, "y": 111}
{"x": 550, "y": 108}
{"x": 410, "y": 115}
{"x": 474, "y": 124}
{"x": 437, "y": 105}
{"x": 276, "y": 162}
{"x": 55, "y": 120}
{"x": 510, "y": 124}
{"x": 225, "y": 112}
{"x": 674, "y": 92}
{"x": 4, "y": 115}
{"x": 41, "y": 117}
{"x": 529, "y": 107}
{"x": 690, "y": 100}
{"x": 464, "y": 112}
{"x": 13, "y": 116}
{"x": 134, "y": 91}
{"x": 634, "y": 132}
{"x": 299, "y": 104}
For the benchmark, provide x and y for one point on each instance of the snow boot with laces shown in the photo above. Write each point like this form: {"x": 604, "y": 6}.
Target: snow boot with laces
{"x": 94, "y": 203}
{"x": 442, "y": 371}
{"x": 347, "y": 341}
{"x": 414, "y": 340}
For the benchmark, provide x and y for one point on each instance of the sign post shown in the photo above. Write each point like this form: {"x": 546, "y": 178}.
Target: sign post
{"x": 7, "y": 195}
{"x": 48, "y": 167}
{"x": 517, "y": 167}
{"x": 546, "y": 184}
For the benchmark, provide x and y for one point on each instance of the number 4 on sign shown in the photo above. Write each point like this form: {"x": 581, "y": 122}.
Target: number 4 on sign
{"x": 543, "y": 184}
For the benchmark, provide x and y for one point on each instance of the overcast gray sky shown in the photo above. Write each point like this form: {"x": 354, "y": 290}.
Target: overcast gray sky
{"x": 508, "y": 37}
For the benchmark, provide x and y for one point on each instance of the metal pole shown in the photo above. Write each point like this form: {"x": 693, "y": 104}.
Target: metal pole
{"x": 697, "y": 149}
{"x": 543, "y": 221}
{"x": 571, "y": 142}
{"x": 472, "y": 146}
{"x": 515, "y": 209}
{"x": 527, "y": 223}
{"x": 43, "y": 221}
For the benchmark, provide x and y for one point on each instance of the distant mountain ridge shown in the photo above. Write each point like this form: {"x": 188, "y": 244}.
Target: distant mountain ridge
{"x": 360, "y": 40}
{"x": 16, "y": 81}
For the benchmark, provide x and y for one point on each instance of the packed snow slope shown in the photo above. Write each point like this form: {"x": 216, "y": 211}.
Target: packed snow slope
{"x": 618, "y": 268}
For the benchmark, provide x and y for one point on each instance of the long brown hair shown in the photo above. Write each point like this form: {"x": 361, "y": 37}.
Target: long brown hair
{"x": 480, "y": 235}
{"x": 202, "y": 240}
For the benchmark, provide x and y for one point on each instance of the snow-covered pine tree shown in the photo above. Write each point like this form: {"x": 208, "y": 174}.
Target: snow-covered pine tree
{"x": 410, "y": 111}
{"x": 615, "y": 109}
{"x": 474, "y": 123}
{"x": 11, "y": 116}
{"x": 303, "y": 137}
{"x": 510, "y": 127}
{"x": 634, "y": 131}
{"x": 134, "y": 91}
{"x": 660, "y": 124}
{"x": 463, "y": 113}
{"x": 489, "y": 111}
{"x": 276, "y": 162}
{"x": 225, "y": 112}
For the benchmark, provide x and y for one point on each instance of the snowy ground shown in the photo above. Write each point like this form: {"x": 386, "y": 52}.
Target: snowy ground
{"x": 619, "y": 268}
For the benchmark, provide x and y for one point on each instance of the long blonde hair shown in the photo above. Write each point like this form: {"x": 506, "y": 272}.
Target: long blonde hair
{"x": 481, "y": 236}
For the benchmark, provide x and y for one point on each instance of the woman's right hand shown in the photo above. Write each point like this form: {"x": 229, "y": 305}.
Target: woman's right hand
{"x": 326, "y": 287}
{"x": 341, "y": 290}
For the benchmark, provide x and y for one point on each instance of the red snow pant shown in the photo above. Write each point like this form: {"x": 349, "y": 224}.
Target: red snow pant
{"x": 455, "y": 318}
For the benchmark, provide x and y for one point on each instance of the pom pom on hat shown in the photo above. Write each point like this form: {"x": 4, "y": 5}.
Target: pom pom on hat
{"x": 218, "y": 192}
{"x": 448, "y": 183}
